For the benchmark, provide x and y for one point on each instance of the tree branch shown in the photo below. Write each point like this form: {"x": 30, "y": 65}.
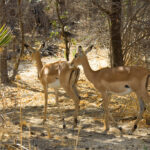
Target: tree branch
{"x": 63, "y": 31}
{"x": 130, "y": 22}
{"x": 107, "y": 12}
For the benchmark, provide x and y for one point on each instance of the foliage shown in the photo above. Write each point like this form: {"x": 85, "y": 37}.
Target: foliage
{"x": 5, "y": 35}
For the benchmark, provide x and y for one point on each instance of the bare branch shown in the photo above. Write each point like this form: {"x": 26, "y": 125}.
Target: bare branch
{"x": 129, "y": 23}
{"x": 126, "y": 50}
{"x": 107, "y": 12}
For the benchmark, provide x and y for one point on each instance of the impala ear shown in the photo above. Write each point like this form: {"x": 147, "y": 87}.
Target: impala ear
{"x": 42, "y": 45}
{"x": 89, "y": 49}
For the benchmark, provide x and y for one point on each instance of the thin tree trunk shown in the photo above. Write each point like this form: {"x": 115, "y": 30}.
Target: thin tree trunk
{"x": 15, "y": 71}
{"x": 67, "y": 52}
{"x": 115, "y": 31}
{"x": 115, "y": 28}
{"x": 3, "y": 66}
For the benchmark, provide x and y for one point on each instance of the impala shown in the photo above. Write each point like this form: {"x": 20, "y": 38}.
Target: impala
{"x": 118, "y": 80}
{"x": 56, "y": 75}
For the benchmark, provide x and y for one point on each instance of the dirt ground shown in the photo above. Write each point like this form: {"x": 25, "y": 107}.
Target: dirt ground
{"x": 27, "y": 92}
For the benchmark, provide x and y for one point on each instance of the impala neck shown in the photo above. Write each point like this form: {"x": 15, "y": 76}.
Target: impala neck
{"x": 39, "y": 64}
{"x": 89, "y": 73}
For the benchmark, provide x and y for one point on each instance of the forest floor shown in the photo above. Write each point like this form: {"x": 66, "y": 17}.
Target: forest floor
{"x": 27, "y": 92}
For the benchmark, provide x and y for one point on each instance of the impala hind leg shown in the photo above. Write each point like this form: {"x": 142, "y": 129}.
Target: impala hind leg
{"x": 74, "y": 83}
{"x": 72, "y": 94}
{"x": 76, "y": 100}
{"x": 140, "y": 115}
{"x": 76, "y": 92}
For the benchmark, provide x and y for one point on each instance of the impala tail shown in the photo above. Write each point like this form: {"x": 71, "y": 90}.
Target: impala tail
{"x": 75, "y": 73}
{"x": 147, "y": 83}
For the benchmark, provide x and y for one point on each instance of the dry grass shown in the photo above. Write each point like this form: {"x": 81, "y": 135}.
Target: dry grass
{"x": 16, "y": 129}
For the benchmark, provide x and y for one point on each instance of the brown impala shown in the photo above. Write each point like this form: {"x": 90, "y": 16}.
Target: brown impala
{"x": 118, "y": 80}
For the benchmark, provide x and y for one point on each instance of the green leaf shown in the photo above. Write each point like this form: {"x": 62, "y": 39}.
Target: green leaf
{"x": 5, "y": 40}
{"x": 54, "y": 23}
{"x": 5, "y": 35}
{"x": 66, "y": 13}
{"x": 56, "y": 33}
{"x": 1, "y": 29}
{"x": 63, "y": 17}
{"x": 73, "y": 41}
{"x": 52, "y": 34}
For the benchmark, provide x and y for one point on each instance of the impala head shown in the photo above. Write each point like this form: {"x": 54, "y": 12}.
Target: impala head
{"x": 80, "y": 56}
{"x": 34, "y": 52}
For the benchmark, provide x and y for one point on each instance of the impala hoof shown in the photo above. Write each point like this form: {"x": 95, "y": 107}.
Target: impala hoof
{"x": 133, "y": 129}
{"x": 105, "y": 131}
{"x": 79, "y": 97}
{"x": 121, "y": 130}
{"x": 43, "y": 122}
{"x": 130, "y": 132}
{"x": 64, "y": 126}
{"x": 75, "y": 123}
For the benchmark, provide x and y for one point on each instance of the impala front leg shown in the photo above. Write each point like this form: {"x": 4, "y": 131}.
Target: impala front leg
{"x": 106, "y": 101}
{"x": 115, "y": 123}
{"x": 108, "y": 116}
{"x": 77, "y": 108}
{"x": 45, "y": 106}
{"x": 56, "y": 96}
{"x": 60, "y": 112}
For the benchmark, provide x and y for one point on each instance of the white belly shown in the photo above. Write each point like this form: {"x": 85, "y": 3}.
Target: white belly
{"x": 55, "y": 84}
{"x": 125, "y": 92}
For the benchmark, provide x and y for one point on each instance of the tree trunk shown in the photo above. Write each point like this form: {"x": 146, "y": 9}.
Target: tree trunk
{"x": 3, "y": 66}
{"x": 3, "y": 54}
{"x": 115, "y": 28}
{"x": 15, "y": 71}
